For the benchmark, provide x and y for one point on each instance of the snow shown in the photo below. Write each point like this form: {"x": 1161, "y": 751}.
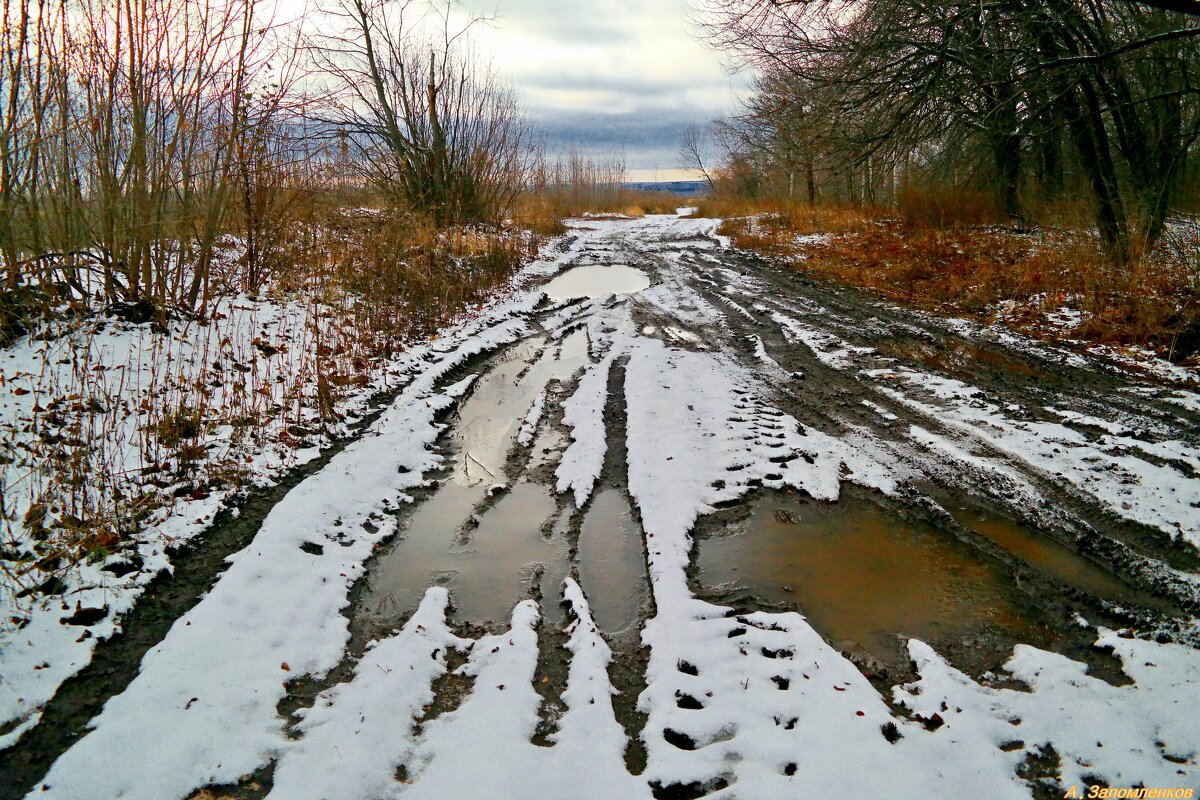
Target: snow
{"x": 273, "y": 616}
{"x": 1115, "y": 735}
{"x": 250, "y": 356}
{"x": 529, "y": 424}
{"x": 880, "y": 410}
{"x": 486, "y": 741}
{"x": 1188, "y": 400}
{"x": 829, "y": 350}
{"x": 698, "y": 434}
{"x": 589, "y": 745}
{"x": 760, "y": 352}
{"x": 126, "y": 369}
{"x": 584, "y": 414}
{"x": 756, "y": 705}
{"x": 358, "y": 733}
{"x": 1158, "y": 495}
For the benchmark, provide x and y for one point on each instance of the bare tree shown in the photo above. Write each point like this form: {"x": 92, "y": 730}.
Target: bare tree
{"x": 121, "y": 129}
{"x": 976, "y": 87}
{"x": 436, "y": 129}
{"x": 692, "y": 152}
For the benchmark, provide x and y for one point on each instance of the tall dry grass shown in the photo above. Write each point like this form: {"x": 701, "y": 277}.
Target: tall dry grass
{"x": 110, "y": 445}
{"x": 543, "y": 211}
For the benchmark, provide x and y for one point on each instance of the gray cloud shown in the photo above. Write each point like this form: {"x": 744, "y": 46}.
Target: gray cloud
{"x": 587, "y": 21}
{"x": 635, "y": 87}
{"x": 647, "y": 139}
{"x": 605, "y": 76}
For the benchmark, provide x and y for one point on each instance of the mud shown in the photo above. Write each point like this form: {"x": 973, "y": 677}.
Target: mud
{"x": 832, "y": 400}
{"x": 867, "y": 572}
{"x": 972, "y": 361}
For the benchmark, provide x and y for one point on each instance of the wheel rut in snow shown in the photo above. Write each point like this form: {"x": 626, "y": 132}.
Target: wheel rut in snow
{"x": 963, "y": 561}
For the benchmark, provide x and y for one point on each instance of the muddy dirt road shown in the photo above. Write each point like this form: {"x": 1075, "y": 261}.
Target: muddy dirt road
{"x": 670, "y": 521}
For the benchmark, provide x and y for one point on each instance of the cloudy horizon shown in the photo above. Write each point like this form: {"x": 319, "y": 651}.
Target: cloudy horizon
{"x": 610, "y": 78}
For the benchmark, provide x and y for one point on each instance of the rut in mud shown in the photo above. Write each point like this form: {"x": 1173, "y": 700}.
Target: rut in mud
{"x": 645, "y": 479}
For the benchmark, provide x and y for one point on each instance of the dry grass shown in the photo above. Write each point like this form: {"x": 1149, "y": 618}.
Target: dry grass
{"x": 543, "y": 212}
{"x": 946, "y": 208}
{"x": 770, "y": 227}
{"x": 386, "y": 279}
{"x": 789, "y": 217}
{"x": 361, "y": 285}
{"x": 938, "y": 256}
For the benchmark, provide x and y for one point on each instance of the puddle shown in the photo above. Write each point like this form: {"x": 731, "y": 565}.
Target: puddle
{"x": 489, "y": 418}
{"x": 593, "y": 281}
{"x": 612, "y": 567}
{"x": 487, "y": 571}
{"x": 862, "y": 576}
{"x": 1051, "y": 557}
{"x": 488, "y": 574}
{"x": 437, "y": 545}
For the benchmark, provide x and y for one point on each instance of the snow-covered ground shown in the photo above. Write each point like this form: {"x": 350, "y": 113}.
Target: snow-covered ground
{"x": 105, "y": 423}
{"x": 727, "y": 387}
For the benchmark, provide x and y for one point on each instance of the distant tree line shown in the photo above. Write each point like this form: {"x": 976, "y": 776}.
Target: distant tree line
{"x": 1032, "y": 101}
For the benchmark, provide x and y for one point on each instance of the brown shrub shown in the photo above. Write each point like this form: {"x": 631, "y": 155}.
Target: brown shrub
{"x": 946, "y": 208}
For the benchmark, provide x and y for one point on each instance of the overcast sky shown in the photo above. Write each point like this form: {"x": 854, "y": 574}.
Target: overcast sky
{"x": 609, "y": 75}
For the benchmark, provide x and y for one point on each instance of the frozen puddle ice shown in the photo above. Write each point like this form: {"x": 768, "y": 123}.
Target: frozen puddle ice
{"x": 594, "y": 281}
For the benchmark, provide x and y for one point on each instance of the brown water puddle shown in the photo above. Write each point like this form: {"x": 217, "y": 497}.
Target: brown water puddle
{"x": 612, "y": 566}
{"x": 437, "y": 545}
{"x": 593, "y": 281}
{"x": 496, "y": 567}
{"x": 865, "y": 578}
{"x": 1051, "y": 557}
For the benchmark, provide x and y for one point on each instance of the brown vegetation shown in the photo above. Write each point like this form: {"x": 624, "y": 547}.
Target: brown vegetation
{"x": 936, "y": 255}
{"x": 583, "y": 185}
{"x": 162, "y": 162}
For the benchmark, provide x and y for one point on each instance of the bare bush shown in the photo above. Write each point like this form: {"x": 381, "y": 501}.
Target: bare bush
{"x": 436, "y": 130}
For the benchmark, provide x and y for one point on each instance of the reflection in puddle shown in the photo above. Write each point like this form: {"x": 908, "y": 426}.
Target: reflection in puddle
{"x": 1051, "y": 557}
{"x": 484, "y": 575}
{"x": 495, "y": 568}
{"x": 862, "y": 575}
{"x": 489, "y": 418}
{"x": 594, "y": 281}
{"x": 401, "y": 577}
{"x": 488, "y": 573}
{"x": 612, "y": 567}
